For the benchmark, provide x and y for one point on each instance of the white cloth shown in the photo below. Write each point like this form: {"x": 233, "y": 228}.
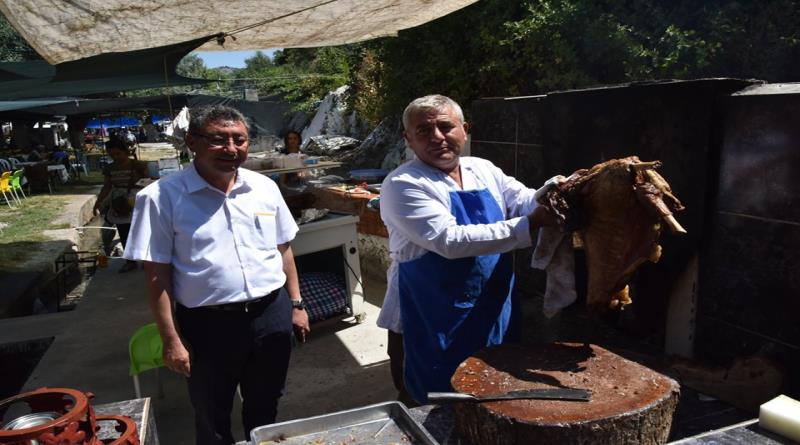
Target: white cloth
{"x": 415, "y": 206}
{"x": 554, "y": 255}
{"x": 223, "y": 248}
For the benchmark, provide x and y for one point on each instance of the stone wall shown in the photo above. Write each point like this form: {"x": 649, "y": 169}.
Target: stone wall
{"x": 750, "y": 287}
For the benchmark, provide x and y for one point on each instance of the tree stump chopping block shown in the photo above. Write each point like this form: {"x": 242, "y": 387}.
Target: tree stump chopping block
{"x": 630, "y": 404}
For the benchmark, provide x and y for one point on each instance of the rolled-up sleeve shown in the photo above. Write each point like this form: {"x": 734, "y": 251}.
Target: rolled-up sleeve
{"x": 151, "y": 235}
{"x": 422, "y": 214}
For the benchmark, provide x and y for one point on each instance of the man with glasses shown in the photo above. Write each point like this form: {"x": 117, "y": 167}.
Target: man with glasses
{"x": 215, "y": 241}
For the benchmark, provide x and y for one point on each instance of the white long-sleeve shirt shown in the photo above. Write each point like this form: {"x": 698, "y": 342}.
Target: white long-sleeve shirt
{"x": 415, "y": 206}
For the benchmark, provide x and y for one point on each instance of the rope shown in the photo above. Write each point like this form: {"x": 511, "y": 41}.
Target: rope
{"x": 264, "y": 22}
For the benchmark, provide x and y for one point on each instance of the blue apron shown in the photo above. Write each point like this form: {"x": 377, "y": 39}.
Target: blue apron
{"x": 452, "y": 308}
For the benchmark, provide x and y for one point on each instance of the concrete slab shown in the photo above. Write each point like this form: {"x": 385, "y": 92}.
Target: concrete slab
{"x": 21, "y": 284}
{"x": 343, "y": 365}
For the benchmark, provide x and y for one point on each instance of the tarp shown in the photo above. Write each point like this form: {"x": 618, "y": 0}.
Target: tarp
{"x": 25, "y": 104}
{"x": 93, "y": 107}
{"x": 267, "y": 117}
{"x": 62, "y": 30}
{"x": 147, "y": 68}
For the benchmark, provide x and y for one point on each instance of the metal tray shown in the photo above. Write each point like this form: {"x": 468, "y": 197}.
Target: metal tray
{"x": 382, "y": 423}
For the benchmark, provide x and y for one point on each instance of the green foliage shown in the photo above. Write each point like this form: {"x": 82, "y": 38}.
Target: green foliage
{"x": 527, "y": 47}
{"x": 300, "y": 75}
{"x": 192, "y": 66}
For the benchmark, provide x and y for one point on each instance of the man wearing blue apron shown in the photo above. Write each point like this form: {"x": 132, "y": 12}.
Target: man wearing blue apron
{"x": 453, "y": 222}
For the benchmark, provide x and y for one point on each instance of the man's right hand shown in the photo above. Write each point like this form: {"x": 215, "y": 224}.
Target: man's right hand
{"x": 176, "y": 357}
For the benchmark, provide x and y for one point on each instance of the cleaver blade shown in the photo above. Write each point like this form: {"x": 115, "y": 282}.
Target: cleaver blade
{"x": 572, "y": 394}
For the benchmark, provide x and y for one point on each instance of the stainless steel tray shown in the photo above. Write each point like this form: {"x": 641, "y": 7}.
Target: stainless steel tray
{"x": 382, "y": 423}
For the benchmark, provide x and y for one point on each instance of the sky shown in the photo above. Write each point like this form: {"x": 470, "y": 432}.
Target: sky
{"x": 234, "y": 59}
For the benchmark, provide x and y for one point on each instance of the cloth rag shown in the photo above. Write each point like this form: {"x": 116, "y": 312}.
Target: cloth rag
{"x": 554, "y": 255}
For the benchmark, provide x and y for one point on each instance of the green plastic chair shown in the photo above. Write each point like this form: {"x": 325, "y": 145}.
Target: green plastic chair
{"x": 145, "y": 351}
{"x": 16, "y": 182}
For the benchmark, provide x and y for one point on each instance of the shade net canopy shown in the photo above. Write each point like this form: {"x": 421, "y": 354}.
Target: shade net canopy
{"x": 114, "y": 71}
{"x": 64, "y": 30}
{"x": 266, "y": 117}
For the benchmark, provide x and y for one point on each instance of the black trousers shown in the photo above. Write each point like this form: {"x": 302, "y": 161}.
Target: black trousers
{"x": 124, "y": 230}
{"x": 108, "y": 235}
{"x": 229, "y": 348}
{"x": 396, "y": 357}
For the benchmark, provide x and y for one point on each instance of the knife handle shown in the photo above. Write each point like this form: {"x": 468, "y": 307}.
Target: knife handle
{"x": 449, "y": 397}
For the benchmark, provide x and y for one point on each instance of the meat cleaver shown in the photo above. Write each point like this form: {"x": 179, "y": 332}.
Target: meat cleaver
{"x": 579, "y": 395}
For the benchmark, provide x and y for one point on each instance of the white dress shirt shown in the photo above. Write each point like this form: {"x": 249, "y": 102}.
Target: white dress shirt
{"x": 415, "y": 206}
{"x": 223, "y": 248}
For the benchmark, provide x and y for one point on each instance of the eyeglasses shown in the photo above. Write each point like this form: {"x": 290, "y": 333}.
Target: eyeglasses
{"x": 217, "y": 141}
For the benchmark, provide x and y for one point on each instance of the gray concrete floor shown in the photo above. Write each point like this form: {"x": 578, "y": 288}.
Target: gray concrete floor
{"x": 343, "y": 365}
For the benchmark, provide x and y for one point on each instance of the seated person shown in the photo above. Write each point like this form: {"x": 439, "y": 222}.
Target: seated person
{"x": 35, "y": 154}
{"x": 60, "y": 156}
{"x": 291, "y": 144}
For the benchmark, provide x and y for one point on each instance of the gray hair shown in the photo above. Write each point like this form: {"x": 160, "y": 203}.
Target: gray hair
{"x": 433, "y": 102}
{"x": 201, "y": 116}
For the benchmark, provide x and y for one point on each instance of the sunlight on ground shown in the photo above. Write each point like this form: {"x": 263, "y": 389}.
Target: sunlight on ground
{"x": 366, "y": 342}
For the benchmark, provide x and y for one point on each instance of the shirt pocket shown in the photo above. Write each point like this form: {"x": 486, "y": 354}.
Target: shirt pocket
{"x": 266, "y": 229}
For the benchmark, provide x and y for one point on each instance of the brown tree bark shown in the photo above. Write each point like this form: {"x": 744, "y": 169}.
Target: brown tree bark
{"x": 630, "y": 404}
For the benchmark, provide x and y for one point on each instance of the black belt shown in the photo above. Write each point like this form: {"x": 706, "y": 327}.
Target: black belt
{"x": 246, "y": 306}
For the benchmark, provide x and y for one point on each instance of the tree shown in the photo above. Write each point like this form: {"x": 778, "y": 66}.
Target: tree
{"x": 192, "y": 66}
{"x": 259, "y": 62}
{"x": 300, "y": 75}
{"x": 528, "y": 47}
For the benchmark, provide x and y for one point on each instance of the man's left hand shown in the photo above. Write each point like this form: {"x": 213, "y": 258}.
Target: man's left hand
{"x": 300, "y": 324}
{"x": 542, "y": 217}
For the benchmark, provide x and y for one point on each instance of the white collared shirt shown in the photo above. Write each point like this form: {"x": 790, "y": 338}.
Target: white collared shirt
{"x": 222, "y": 248}
{"x": 415, "y": 206}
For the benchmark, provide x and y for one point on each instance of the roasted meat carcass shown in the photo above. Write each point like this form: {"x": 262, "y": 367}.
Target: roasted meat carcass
{"x": 615, "y": 210}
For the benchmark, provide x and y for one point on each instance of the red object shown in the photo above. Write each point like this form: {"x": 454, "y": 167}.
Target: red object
{"x": 76, "y": 425}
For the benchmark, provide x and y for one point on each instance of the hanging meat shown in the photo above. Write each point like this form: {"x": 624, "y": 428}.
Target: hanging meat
{"x": 615, "y": 211}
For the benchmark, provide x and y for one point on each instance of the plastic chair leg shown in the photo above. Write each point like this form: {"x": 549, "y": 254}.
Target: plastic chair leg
{"x": 136, "y": 386}
{"x": 16, "y": 197}
{"x": 7, "y": 201}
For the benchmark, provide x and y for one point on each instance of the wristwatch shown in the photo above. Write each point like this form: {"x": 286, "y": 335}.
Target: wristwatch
{"x": 299, "y": 304}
